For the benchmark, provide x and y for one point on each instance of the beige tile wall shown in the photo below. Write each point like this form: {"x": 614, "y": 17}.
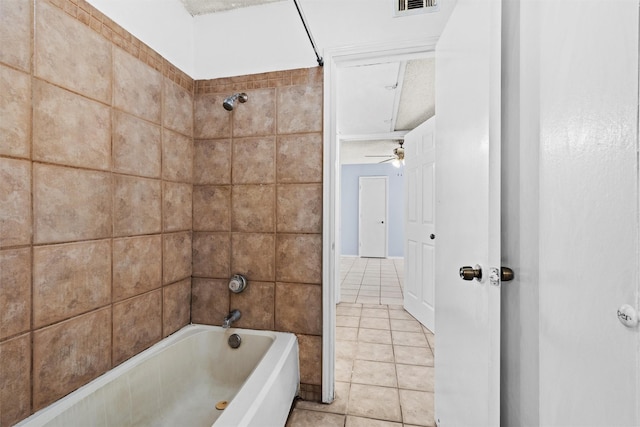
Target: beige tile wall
{"x": 101, "y": 224}
{"x": 257, "y": 207}
{"x": 96, "y": 166}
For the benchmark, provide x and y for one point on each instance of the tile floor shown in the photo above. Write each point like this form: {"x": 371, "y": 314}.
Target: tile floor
{"x": 371, "y": 280}
{"x": 384, "y": 357}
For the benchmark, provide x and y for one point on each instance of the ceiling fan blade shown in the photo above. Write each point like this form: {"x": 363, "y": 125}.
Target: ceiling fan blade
{"x": 386, "y": 155}
{"x": 388, "y": 160}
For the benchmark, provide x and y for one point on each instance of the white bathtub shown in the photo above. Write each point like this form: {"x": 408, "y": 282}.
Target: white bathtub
{"x": 178, "y": 382}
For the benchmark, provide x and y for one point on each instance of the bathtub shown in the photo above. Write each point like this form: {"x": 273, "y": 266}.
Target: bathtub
{"x": 179, "y": 381}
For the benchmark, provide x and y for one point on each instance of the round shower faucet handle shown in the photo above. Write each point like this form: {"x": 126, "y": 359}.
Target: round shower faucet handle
{"x": 237, "y": 283}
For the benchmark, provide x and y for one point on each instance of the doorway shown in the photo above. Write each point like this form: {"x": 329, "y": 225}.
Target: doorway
{"x": 372, "y": 224}
{"x": 334, "y": 60}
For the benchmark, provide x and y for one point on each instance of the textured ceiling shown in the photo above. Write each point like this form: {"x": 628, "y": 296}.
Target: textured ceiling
{"x": 201, "y": 7}
{"x": 417, "y": 101}
{"x": 377, "y": 101}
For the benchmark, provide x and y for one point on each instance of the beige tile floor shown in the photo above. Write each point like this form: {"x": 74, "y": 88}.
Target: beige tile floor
{"x": 384, "y": 357}
{"x": 371, "y": 280}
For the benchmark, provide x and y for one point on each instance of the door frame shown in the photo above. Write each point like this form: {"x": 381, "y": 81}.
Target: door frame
{"x": 386, "y": 212}
{"x": 333, "y": 60}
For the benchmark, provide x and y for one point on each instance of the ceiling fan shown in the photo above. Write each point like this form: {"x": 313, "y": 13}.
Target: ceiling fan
{"x": 397, "y": 158}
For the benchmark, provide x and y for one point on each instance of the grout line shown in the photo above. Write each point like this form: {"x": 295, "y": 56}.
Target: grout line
{"x": 352, "y": 269}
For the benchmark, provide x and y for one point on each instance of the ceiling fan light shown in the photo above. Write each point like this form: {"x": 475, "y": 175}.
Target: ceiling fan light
{"x": 396, "y": 163}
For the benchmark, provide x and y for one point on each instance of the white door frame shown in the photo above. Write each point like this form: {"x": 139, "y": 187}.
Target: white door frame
{"x": 333, "y": 59}
{"x": 386, "y": 212}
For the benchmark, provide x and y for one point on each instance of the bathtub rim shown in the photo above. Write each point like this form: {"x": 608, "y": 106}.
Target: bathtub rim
{"x": 284, "y": 347}
{"x": 275, "y": 353}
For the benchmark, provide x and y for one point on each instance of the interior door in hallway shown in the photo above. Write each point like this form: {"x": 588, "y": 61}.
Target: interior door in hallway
{"x": 468, "y": 94}
{"x": 373, "y": 216}
{"x": 419, "y": 171}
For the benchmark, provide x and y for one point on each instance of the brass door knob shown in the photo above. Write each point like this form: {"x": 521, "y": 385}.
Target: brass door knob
{"x": 470, "y": 273}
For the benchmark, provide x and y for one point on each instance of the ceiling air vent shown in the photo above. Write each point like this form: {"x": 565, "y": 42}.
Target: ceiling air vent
{"x": 404, "y": 7}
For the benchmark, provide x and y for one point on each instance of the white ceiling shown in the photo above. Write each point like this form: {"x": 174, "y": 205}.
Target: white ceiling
{"x": 267, "y": 37}
{"x": 366, "y": 98}
{"x": 378, "y": 104}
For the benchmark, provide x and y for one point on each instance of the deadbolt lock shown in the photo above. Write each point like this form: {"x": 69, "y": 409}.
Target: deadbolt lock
{"x": 470, "y": 273}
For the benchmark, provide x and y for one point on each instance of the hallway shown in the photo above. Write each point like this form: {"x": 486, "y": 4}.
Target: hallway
{"x": 384, "y": 357}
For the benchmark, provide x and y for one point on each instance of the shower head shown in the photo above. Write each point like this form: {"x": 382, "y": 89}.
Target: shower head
{"x": 230, "y": 101}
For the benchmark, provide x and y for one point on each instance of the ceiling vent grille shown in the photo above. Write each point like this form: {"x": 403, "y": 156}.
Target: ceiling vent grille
{"x": 414, "y": 5}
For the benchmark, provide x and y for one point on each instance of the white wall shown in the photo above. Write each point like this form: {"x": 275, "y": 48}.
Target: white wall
{"x": 570, "y": 212}
{"x": 588, "y": 211}
{"x": 264, "y": 38}
{"x": 164, "y": 25}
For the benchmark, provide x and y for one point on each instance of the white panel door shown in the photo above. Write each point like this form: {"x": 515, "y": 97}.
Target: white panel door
{"x": 419, "y": 199}
{"x": 467, "y": 375}
{"x": 373, "y": 216}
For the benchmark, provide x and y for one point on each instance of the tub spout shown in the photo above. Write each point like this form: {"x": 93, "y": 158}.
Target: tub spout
{"x": 230, "y": 318}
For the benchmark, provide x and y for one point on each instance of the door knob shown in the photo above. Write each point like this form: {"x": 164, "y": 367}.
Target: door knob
{"x": 432, "y": 236}
{"x": 470, "y": 273}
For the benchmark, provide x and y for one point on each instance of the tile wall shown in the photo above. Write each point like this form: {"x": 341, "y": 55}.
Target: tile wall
{"x": 106, "y": 244}
{"x": 257, "y": 207}
{"x": 96, "y": 165}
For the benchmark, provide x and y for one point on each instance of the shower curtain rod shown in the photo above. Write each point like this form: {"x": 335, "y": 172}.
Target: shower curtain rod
{"x": 313, "y": 43}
